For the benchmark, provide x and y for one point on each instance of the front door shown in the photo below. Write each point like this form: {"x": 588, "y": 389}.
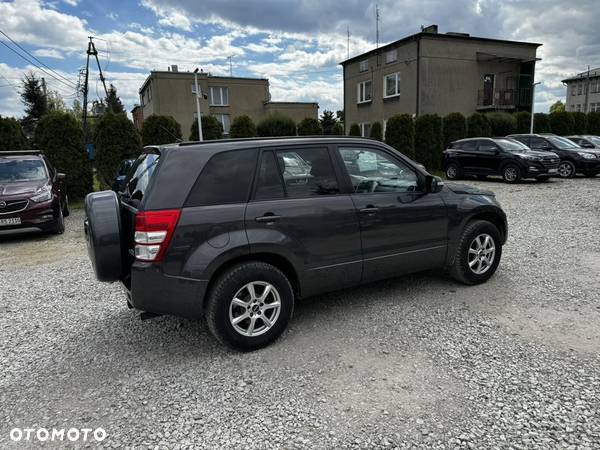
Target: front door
{"x": 403, "y": 229}
{"x": 488, "y": 89}
{"x": 488, "y": 157}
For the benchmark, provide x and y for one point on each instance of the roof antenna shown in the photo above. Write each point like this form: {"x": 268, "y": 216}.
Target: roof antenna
{"x": 348, "y": 44}
{"x": 377, "y": 25}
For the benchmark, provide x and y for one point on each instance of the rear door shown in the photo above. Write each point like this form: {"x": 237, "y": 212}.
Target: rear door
{"x": 299, "y": 212}
{"x": 467, "y": 155}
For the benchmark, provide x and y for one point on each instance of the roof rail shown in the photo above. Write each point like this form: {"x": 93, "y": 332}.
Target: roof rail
{"x": 272, "y": 138}
{"x": 19, "y": 152}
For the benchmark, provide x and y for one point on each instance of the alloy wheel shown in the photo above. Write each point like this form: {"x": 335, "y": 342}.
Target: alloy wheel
{"x": 565, "y": 170}
{"x": 511, "y": 174}
{"x": 255, "y": 308}
{"x": 482, "y": 253}
{"x": 451, "y": 172}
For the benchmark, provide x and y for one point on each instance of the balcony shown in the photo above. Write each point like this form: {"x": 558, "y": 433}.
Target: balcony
{"x": 503, "y": 99}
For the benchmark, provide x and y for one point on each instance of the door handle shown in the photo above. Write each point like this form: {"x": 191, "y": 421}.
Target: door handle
{"x": 369, "y": 210}
{"x": 268, "y": 218}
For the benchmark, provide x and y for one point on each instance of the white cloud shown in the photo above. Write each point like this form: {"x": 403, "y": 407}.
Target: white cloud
{"x": 48, "y": 53}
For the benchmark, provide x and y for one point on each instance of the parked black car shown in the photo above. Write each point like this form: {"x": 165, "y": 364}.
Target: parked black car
{"x": 32, "y": 193}
{"x": 499, "y": 156}
{"x": 236, "y": 230}
{"x": 573, "y": 159}
{"x": 121, "y": 175}
{"x": 586, "y": 141}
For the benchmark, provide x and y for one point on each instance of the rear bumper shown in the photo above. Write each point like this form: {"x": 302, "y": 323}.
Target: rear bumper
{"x": 150, "y": 290}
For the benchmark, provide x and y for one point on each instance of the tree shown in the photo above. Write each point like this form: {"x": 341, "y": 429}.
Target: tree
{"x": 594, "y": 123}
{"x": 428, "y": 141}
{"x": 159, "y": 130}
{"x": 523, "y": 119}
{"x": 211, "y": 129}
{"x": 478, "y": 125}
{"x": 116, "y": 139}
{"x": 502, "y": 123}
{"x": 541, "y": 123}
{"x": 12, "y": 136}
{"x": 580, "y": 122}
{"x": 557, "y": 106}
{"x": 339, "y": 115}
{"x": 276, "y": 125}
{"x": 55, "y": 101}
{"x": 309, "y": 127}
{"x": 561, "y": 123}
{"x": 113, "y": 102}
{"x": 400, "y": 134}
{"x": 36, "y": 105}
{"x": 60, "y": 137}
{"x": 338, "y": 129}
{"x": 327, "y": 121}
{"x": 354, "y": 130}
{"x": 454, "y": 128}
{"x": 376, "y": 131}
{"x": 242, "y": 127}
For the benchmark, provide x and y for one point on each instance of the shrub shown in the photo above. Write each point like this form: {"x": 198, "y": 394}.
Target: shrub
{"x": 561, "y": 123}
{"x": 211, "y": 129}
{"x": 309, "y": 127}
{"x": 428, "y": 141}
{"x": 242, "y": 127}
{"x": 116, "y": 139}
{"x": 580, "y": 122}
{"x": 60, "y": 137}
{"x": 354, "y": 130}
{"x": 478, "y": 125}
{"x": 337, "y": 129}
{"x": 12, "y": 136}
{"x": 502, "y": 123}
{"x": 400, "y": 134}
{"x": 454, "y": 128}
{"x": 593, "y": 119}
{"x": 276, "y": 125}
{"x": 158, "y": 130}
{"x": 376, "y": 131}
{"x": 523, "y": 119}
{"x": 541, "y": 123}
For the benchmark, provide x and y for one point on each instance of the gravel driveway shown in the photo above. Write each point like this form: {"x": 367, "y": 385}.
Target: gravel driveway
{"x": 418, "y": 361}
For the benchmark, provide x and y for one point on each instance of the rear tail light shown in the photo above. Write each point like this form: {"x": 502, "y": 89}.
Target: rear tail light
{"x": 153, "y": 232}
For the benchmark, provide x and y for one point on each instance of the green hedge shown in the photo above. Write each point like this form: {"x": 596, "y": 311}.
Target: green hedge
{"x": 400, "y": 134}
{"x": 337, "y": 129}
{"x": 276, "y": 125}
{"x": 594, "y": 123}
{"x": 428, "y": 141}
{"x": 354, "y": 130}
{"x": 523, "y": 119}
{"x": 541, "y": 123}
{"x": 12, "y": 136}
{"x": 211, "y": 129}
{"x": 376, "y": 131}
{"x": 580, "y": 122}
{"x": 60, "y": 137}
{"x": 454, "y": 128}
{"x": 242, "y": 127}
{"x": 309, "y": 127}
{"x": 502, "y": 123}
{"x": 159, "y": 130}
{"x": 116, "y": 139}
{"x": 478, "y": 125}
{"x": 562, "y": 123}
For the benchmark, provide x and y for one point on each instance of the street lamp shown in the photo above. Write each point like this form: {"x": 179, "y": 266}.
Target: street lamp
{"x": 198, "y": 105}
{"x": 532, "y": 104}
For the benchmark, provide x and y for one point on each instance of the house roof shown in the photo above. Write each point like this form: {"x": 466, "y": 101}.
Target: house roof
{"x": 153, "y": 73}
{"x": 583, "y": 75}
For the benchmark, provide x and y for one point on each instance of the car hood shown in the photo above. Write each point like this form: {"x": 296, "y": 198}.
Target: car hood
{"x": 465, "y": 189}
{"x": 21, "y": 188}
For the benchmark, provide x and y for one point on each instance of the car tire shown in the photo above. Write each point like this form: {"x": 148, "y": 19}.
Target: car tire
{"x": 511, "y": 173}
{"x": 566, "y": 169}
{"x": 454, "y": 171}
{"x": 102, "y": 228}
{"x": 66, "y": 210}
{"x": 59, "y": 225}
{"x": 236, "y": 317}
{"x": 466, "y": 263}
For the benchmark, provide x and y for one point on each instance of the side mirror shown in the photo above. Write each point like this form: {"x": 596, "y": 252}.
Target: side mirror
{"x": 60, "y": 176}
{"x": 433, "y": 184}
{"x": 119, "y": 182}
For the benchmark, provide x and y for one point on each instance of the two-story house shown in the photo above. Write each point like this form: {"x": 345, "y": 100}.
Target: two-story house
{"x": 431, "y": 72}
{"x": 583, "y": 91}
{"x": 173, "y": 93}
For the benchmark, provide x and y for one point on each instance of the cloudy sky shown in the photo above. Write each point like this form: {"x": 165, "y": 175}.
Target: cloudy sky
{"x": 297, "y": 44}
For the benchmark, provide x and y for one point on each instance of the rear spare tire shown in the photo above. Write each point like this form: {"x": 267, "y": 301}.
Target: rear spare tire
{"x": 102, "y": 228}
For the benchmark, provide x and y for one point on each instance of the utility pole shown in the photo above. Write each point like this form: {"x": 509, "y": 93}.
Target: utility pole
{"x": 532, "y": 105}
{"x": 91, "y": 51}
{"x": 230, "y": 67}
{"x": 44, "y": 90}
{"x": 200, "y": 137}
{"x": 377, "y": 25}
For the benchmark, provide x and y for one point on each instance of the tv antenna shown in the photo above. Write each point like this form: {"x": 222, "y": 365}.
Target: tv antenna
{"x": 377, "y": 25}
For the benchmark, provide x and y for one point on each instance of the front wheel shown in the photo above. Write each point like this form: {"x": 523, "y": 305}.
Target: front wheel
{"x": 59, "y": 225}
{"x": 478, "y": 253}
{"x": 566, "y": 169}
{"x": 511, "y": 173}
{"x": 454, "y": 171}
{"x": 249, "y": 306}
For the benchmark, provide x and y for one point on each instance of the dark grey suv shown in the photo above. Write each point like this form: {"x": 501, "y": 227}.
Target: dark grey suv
{"x": 236, "y": 230}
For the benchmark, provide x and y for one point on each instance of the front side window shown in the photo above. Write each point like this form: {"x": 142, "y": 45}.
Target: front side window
{"x": 364, "y": 93}
{"x": 391, "y": 84}
{"x": 562, "y": 143}
{"x": 372, "y": 170}
{"x": 465, "y": 145}
{"x": 511, "y": 145}
{"x": 15, "y": 170}
{"x": 219, "y": 96}
{"x": 487, "y": 147}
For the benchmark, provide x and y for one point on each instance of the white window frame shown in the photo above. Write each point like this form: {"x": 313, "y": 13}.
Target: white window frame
{"x": 220, "y": 118}
{"x": 220, "y": 90}
{"x": 360, "y": 100}
{"x": 391, "y": 56}
{"x": 397, "y": 79}
{"x": 363, "y": 66}
{"x": 362, "y": 127}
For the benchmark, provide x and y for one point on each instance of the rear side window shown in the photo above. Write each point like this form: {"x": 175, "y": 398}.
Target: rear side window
{"x": 141, "y": 173}
{"x": 466, "y": 145}
{"x": 226, "y": 178}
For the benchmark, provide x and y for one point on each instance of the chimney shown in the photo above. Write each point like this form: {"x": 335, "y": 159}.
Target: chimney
{"x": 174, "y": 68}
{"x": 433, "y": 29}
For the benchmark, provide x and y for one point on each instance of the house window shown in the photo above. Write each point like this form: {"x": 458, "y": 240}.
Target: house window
{"x": 364, "y": 65}
{"x": 364, "y": 91}
{"x": 391, "y": 56}
{"x": 579, "y": 88}
{"x": 594, "y": 107}
{"x": 391, "y": 85}
{"x": 224, "y": 120}
{"x": 219, "y": 96}
{"x": 365, "y": 129}
{"x": 579, "y": 108}
{"x": 574, "y": 89}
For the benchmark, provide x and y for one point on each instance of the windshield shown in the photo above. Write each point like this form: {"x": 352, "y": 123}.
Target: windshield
{"x": 510, "y": 145}
{"x": 15, "y": 170}
{"x": 562, "y": 143}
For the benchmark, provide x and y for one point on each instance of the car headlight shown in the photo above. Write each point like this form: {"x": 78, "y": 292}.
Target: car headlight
{"x": 44, "y": 195}
{"x": 532, "y": 158}
{"x": 587, "y": 155}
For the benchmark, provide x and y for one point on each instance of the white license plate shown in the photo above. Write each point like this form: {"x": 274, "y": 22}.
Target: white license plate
{"x": 552, "y": 170}
{"x": 10, "y": 221}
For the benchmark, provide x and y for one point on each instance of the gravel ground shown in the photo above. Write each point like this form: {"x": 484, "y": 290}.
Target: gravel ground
{"x": 417, "y": 362}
